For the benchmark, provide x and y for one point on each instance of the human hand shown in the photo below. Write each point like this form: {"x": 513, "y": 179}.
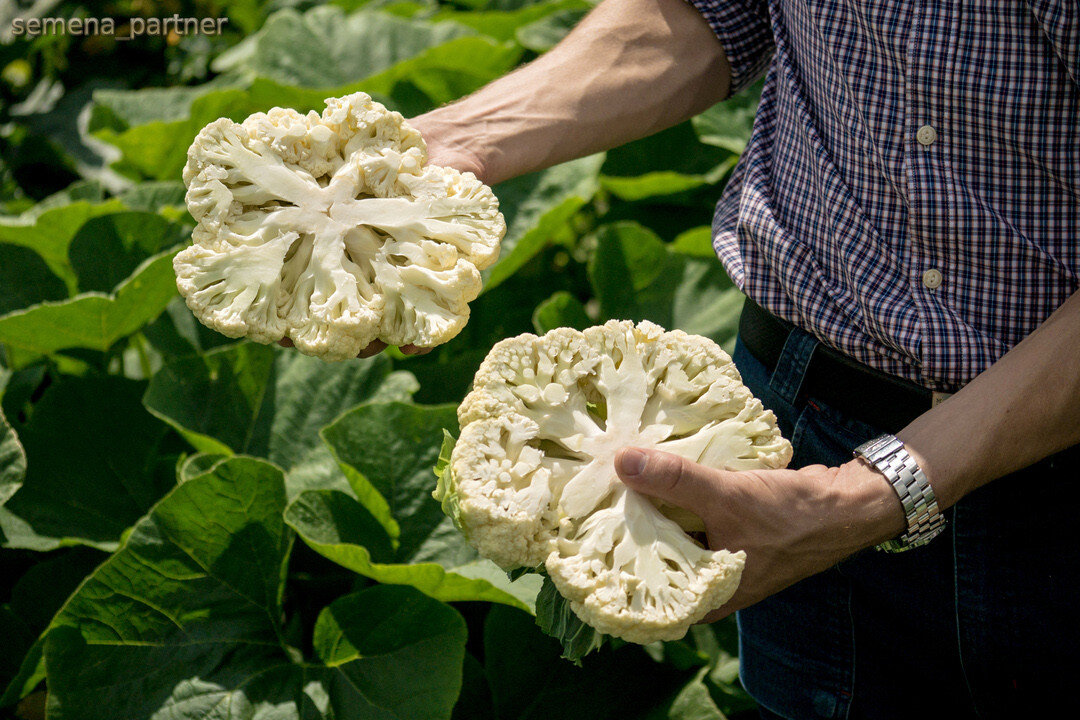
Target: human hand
{"x": 449, "y": 144}
{"x": 791, "y": 523}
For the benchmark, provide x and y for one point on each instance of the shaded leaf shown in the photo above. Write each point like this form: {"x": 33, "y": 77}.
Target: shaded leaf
{"x": 93, "y": 466}
{"x": 728, "y": 124}
{"x": 555, "y": 618}
{"x": 507, "y": 24}
{"x": 25, "y": 279}
{"x": 93, "y": 320}
{"x": 694, "y": 702}
{"x": 48, "y": 233}
{"x": 34, "y": 599}
{"x": 12, "y": 460}
{"x": 337, "y": 48}
{"x": 109, "y": 248}
{"x": 375, "y": 636}
{"x": 668, "y": 162}
{"x": 545, "y": 33}
{"x": 394, "y": 531}
{"x": 184, "y": 619}
{"x": 341, "y": 529}
{"x": 696, "y": 242}
{"x": 530, "y": 681}
{"x": 636, "y": 277}
{"x": 264, "y": 400}
{"x": 158, "y": 149}
{"x": 535, "y": 206}
{"x": 560, "y": 310}
{"x": 387, "y": 451}
{"x": 475, "y": 699}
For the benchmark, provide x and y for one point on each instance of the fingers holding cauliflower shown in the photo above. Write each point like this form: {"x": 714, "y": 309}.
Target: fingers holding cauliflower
{"x": 532, "y": 477}
{"x": 331, "y": 231}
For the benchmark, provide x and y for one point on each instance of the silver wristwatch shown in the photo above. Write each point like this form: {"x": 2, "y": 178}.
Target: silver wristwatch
{"x": 924, "y": 519}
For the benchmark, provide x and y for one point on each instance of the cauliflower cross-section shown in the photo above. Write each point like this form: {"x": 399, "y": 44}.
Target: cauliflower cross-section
{"x": 332, "y": 231}
{"x": 533, "y": 481}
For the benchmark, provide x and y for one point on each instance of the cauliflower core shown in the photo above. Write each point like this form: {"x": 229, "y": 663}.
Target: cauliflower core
{"x": 533, "y": 481}
{"x": 331, "y": 230}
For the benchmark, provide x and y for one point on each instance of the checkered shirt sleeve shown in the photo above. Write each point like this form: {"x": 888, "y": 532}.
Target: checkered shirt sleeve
{"x": 743, "y": 28}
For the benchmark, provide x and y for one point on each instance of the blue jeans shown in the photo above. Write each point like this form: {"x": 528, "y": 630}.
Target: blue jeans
{"x": 984, "y": 621}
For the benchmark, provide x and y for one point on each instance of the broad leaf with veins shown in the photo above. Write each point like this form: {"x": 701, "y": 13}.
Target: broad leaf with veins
{"x": 331, "y": 230}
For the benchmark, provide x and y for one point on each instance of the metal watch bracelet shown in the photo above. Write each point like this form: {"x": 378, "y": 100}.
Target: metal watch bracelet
{"x": 924, "y": 518}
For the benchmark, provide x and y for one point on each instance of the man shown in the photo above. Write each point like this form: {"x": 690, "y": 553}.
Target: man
{"x": 910, "y": 204}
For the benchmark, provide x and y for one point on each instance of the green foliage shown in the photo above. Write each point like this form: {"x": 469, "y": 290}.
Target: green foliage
{"x": 392, "y": 530}
{"x": 555, "y": 618}
{"x": 200, "y": 527}
{"x": 12, "y": 460}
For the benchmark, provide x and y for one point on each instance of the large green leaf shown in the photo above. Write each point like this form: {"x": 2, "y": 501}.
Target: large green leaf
{"x": 543, "y": 34}
{"x": 158, "y": 149}
{"x": 94, "y": 320}
{"x": 505, "y": 24}
{"x": 560, "y": 310}
{"x": 713, "y": 651}
{"x": 184, "y": 622}
{"x": 441, "y": 74}
{"x": 121, "y": 109}
{"x": 668, "y": 162}
{"x": 34, "y": 599}
{"x": 391, "y": 470}
{"x": 728, "y": 124}
{"x": 555, "y": 618}
{"x": 695, "y": 702}
{"x": 387, "y": 641}
{"x": 109, "y": 248}
{"x": 338, "y": 527}
{"x": 25, "y": 279}
{"x": 264, "y": 400}
{"x": 396, "y": 532}
{"x": 12, "y": 460}
{"x": 535, "y": 206}
{"x": 49, "y": 233}
{"x": 636, "y": 277}
{"x": 325, "y": 47}
{"x": 94, "y": 466}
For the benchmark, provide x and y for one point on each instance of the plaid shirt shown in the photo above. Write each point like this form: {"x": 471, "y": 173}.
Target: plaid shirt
{"x": 911, "y": 190}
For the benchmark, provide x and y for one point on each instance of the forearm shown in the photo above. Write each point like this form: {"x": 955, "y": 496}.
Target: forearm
{"x": 1023, "y": 408}
{"x": 629, "y": 69}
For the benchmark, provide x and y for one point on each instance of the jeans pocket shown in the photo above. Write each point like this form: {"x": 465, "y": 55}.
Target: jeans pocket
{"x": 823, "y": 435}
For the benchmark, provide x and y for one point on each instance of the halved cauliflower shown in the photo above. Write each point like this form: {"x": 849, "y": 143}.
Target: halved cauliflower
{"x": 332, "y": 231}
{"x": 532, "y": 477}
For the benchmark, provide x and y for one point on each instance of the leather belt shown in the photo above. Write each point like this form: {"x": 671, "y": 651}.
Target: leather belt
{"x": 884, "y": 401}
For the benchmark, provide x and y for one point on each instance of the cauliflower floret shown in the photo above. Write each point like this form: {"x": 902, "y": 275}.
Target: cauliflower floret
{"x": 332, "y": 231}
{"x": 533, "y": 474}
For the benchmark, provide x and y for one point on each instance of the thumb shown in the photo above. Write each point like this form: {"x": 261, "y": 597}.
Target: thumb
{"x": 668, "y": 477}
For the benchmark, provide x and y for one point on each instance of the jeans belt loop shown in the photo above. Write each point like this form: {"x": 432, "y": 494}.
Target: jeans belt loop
{"x": 787, "y": 376}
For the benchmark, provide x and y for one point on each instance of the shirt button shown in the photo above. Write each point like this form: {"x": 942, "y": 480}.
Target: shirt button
{"x": 926, "y": 135}
{"x": 932, "y": 278}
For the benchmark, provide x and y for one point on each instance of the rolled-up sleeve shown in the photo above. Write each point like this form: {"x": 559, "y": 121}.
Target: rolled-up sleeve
{"x": 745, "y": 32}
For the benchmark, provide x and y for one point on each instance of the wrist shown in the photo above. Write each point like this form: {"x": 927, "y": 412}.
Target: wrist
{"x": 874, "y": 509}
{"x": 451, "y": 142}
